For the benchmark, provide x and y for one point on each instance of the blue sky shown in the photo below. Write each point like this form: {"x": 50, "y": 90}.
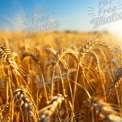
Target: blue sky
{"x": 69, "y": 14}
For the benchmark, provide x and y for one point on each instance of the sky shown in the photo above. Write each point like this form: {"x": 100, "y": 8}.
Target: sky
{"x": 60, "y": 15}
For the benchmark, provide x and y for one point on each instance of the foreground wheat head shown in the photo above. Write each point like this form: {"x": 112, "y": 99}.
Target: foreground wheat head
{"x": 53, "y": 104}
{"x": 26, "y": 102}
{"x": 104, "y": 109}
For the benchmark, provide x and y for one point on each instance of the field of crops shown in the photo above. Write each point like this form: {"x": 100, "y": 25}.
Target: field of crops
{"x": 60, "y": 77}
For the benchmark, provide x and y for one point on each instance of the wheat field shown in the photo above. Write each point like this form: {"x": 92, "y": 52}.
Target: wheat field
{"x": 60, "y": 77}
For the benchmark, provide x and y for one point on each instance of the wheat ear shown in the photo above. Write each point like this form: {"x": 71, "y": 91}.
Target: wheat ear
{"x": 26, "y": 102}
{"x": 105, "y": 110}
{"x": 49, "y": 110}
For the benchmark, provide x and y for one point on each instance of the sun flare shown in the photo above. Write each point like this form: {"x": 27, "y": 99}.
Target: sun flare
{"x": 116, "y": 28}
